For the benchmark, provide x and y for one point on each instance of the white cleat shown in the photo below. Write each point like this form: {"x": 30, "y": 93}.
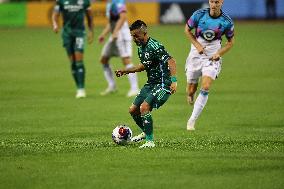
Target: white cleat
{"x": 190, "y": 125}
{"x": 139, "y": 137}
{"x": 81, "y": 93}
{"x": 148, "y": 144}
{"x": 132, "y": 93}
{"x": 108, "y": 91}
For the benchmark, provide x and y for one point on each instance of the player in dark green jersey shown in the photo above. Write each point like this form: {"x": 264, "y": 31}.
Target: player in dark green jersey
{"x": 162, "y": 81}
{"x": 73, "y": 35}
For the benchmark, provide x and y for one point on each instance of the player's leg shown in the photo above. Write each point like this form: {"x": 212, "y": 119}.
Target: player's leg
{"x": 68, "y": 43}
{"x": 155, "y": 99}
{"x": 108, "y": 73}
{"x": 78, "y": 72}
{"x": 73, "y": 67}
{"x": 134, "y": 111}
{"x": 209, "y": 73}
{"x": 200, "y": 102}
{"x": 148, "y": 124}
{"x": 193, "y": 72}
{"x": 192, "y": 83}
{"x": 136, "y": 115}
{"x": 79, "y": 65}
{"x": 132, "y": 77}
{"x": 190, "y": 91}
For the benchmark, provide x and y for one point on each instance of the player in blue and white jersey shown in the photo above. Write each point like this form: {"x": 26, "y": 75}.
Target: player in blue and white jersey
{"x": 118, "y": 44}
{"x": 205, "y": 57}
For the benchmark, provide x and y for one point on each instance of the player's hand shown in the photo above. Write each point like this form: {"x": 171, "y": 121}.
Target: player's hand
{"x": 173, "y": 87}
{"x": 201, "y": 49}
{"x": 215, "y": 57}
{"x": 101, "y": 38}
{"x": 90, "y": 37}
{"x": 114, "y": 36}
{"x": 55, "y": 29}
{"x": 119, "y": 73}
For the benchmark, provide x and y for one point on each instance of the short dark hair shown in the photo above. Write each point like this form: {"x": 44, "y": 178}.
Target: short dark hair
{"x": 138, "y": 24}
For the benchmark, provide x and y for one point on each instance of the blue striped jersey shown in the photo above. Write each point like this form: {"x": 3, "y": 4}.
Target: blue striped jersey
{"x": 211, "y": 28}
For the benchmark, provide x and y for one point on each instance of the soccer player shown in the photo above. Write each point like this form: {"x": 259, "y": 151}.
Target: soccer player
{"x": 73, "y": 35}
{"x": 204, "y": 59}
{"x": 162, "y": 81}
{"x": 118, "y": 44}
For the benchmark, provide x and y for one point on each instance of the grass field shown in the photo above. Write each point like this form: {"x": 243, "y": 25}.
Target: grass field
{"x": 48, "y": 139}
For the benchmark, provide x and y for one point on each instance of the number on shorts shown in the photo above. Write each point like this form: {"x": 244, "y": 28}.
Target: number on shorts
{"x": 79, "y": 42}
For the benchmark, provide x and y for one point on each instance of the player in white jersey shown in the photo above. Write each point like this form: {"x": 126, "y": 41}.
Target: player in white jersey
{"x": 204, "y": 59}
{"x": 118, "y": 44}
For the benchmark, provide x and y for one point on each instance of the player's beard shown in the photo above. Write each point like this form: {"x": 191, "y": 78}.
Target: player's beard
{"x": 138, "y": 43}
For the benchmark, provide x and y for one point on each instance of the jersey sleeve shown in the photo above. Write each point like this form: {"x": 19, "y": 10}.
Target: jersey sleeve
{"x": 121, "y": 7}
{"x": 87, "y": 5}
{"x": 162, "y": 55}
{"x": 193, "y": 21}
{"x": 57, "y": 7}
{"x": 229, "y": 32}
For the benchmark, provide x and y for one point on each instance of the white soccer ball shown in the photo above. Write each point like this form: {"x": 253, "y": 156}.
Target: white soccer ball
{"x": 121, "y": 134}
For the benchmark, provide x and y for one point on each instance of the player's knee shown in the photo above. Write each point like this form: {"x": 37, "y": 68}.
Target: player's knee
{"x": 133, "y": 110}
{"x": 144, "y": 108}
{"x": 206, "y": 86}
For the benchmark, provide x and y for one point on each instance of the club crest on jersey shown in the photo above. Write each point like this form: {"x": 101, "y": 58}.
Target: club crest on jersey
{"x": 147, "y": 55}
{"x": 209, "y": 35}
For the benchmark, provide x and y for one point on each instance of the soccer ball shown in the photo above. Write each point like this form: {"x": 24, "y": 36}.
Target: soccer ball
{"x": 121, "y": 134}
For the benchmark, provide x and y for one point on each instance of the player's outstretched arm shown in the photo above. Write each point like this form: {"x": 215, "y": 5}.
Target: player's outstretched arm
{"x": 89, "y": 15}
{"x": 138, "y": 68}
{"x": 55, "y": 19}
{"x": 172, "y": 67}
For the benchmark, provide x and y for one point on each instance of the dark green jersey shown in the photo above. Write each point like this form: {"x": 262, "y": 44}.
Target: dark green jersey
{"x": 73, "y": 12}
{"x": 155, "y": 59}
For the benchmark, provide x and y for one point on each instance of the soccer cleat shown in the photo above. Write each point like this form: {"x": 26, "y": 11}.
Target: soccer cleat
{"x": 108, "y": 91}
{"x": 132, "y": 93}
{"x": 139, "y": 137}
{"x": 190, "y": 99}
{"x": 81, "y": 93}
{"x": 148, "y": 144}
{"x": 190, "y": 125}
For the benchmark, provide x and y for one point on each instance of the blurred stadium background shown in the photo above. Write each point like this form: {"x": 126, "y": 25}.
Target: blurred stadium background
{"x": 37, "y": 13}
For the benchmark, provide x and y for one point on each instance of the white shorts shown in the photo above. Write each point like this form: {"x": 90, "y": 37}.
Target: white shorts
{"x": 199, "y": 65}
{"x": 122, "y": 47}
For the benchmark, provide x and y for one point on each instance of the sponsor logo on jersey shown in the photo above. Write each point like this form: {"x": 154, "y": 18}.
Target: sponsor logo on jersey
{"x": 73, "y": 8}
{"x": 147, "y": 62}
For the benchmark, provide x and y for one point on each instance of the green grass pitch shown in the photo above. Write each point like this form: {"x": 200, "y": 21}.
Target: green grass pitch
{"x": 48, "y": 139}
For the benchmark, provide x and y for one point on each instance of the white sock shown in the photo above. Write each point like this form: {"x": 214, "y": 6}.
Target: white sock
{"x": 132, "y": 77}
{"x": 199, "y": 104}
{"x": 109, "y": 75}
